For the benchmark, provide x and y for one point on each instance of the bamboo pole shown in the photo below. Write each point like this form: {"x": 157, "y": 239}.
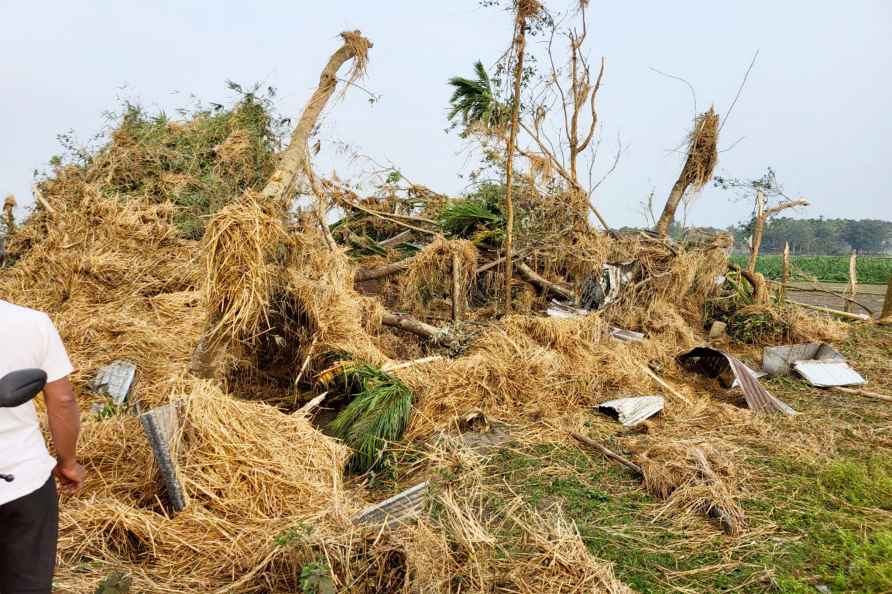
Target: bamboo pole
{"x": 835, "y": 312}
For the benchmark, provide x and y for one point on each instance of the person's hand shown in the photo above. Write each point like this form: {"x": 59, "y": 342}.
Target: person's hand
{"x": 70, "y": 475}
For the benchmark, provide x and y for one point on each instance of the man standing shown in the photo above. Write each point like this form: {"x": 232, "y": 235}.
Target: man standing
{"x": 29, "y": 519}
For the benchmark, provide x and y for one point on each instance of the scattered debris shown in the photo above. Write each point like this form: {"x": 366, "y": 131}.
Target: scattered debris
{"x": 825, "y": 374}
{"x": 115, "y": 381}
{"x": 565, "y": 312}
{"x": 717, "y": 364}
{"x": 779, "y": 360}
{"x": 601, "y": 291}
{"x": 718, "y": 331}
{"x": 626, "y": 335}
{"x": 633, "y": 410}
{"x": 819, "y": 363}
{"x": 400, "y": 509}
{"x": 162, "y": 426}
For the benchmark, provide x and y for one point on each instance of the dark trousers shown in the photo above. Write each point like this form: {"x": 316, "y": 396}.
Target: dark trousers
{"x": 29, "y": 528}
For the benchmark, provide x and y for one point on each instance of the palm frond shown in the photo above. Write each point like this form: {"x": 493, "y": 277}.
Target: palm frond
{"x": 475, "y": 101}
{"x": 378, "y": 415}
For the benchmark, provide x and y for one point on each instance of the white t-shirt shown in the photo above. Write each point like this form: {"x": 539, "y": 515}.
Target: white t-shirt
{"x": 28, "y": 339}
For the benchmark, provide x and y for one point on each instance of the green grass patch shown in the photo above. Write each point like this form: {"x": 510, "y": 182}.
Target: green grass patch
{"x": 829, "y": 269}
{"x": 829, "y": 519}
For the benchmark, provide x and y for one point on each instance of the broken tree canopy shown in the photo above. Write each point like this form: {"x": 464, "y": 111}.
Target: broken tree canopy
{"x": 700, "y": 161}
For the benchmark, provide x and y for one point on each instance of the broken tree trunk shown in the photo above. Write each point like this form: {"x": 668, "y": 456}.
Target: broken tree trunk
{"x": 519, "y": 44}
{"x": 757, "y": 282}
{"x": 675, "y": 196}
{"x": 531, "y": 276}
{"x": 291, "y": 161}
{"x": 699, "y": 164}
{"x": 296, "y": 157}
{"x": 762, "y": 216}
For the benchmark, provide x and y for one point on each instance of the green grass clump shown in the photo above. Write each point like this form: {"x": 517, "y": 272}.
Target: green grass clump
{"x": 828, "y": 269}
{"x": 377, "y": 415}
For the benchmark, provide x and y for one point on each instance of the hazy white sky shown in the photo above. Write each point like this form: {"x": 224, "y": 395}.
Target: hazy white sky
{"x": 816, "y": 107}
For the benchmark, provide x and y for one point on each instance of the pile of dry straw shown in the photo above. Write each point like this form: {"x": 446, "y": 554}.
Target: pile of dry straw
{"x": 263, "y": 304}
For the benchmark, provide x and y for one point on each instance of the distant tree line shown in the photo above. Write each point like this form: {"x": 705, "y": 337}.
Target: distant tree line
{"x": 830, "y": 237}
{"x": 811, "y": 237}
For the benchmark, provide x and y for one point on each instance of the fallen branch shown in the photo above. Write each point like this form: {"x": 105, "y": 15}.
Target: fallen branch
{"x": 665, "y": 385}
{"x": 365, "y": 274}
{"x": 396, "y": 239}
{"x": 818, "y": 290}
{"x": 394, "y": 366}
{"x": 610, "y": 454}
{"x": 861, "y": 392}
{"x": 834, "y": 312}
{"x": 531, "y": 276}
{"x": 38, "y": 195}
{"x": 409, "y": 324}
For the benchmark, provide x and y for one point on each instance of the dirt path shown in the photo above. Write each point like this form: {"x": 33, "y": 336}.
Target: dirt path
{"x": 870, "y": 295}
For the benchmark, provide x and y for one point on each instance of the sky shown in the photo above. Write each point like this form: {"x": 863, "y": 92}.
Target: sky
{"x": 815, "y": 106}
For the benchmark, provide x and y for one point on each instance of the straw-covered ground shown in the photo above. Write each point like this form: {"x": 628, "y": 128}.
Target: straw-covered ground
{"x": 164, "y": 248}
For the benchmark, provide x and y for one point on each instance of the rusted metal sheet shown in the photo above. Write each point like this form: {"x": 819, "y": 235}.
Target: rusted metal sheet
{"x": 726, "y": 368}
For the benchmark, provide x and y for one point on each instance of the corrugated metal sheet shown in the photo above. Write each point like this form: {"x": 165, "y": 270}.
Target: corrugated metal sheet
{"x": 779, "y": 360}
{"x": 824, "y": 374}
{"x": 115, "y": 380}
{"x": 633, "y": 410}
{"x": 714, "y": 363}
{"x": 399, "y": 509}
{"x": 161, "y": 426}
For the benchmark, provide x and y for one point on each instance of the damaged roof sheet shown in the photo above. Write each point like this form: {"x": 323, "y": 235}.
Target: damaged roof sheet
{"x": 715, "y": 363}
{"x": 824, "y": 374}
{"x": 633, "y": 410}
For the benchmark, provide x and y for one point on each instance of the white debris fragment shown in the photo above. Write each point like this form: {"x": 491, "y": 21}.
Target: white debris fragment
{"x": 633, "y": 410}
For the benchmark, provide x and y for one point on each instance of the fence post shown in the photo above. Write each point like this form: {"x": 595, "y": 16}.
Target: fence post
{"x": 886, "y": 316}
{"x": 785, "y": 275}
{"x": 853, "y": 280}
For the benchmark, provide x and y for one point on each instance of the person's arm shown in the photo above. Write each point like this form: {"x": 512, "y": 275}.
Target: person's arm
{"x": 64, "y": 418}
{"x": 63, "y": 413}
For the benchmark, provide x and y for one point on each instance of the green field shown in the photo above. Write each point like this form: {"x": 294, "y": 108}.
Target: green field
{"x": 831, "y": 269}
